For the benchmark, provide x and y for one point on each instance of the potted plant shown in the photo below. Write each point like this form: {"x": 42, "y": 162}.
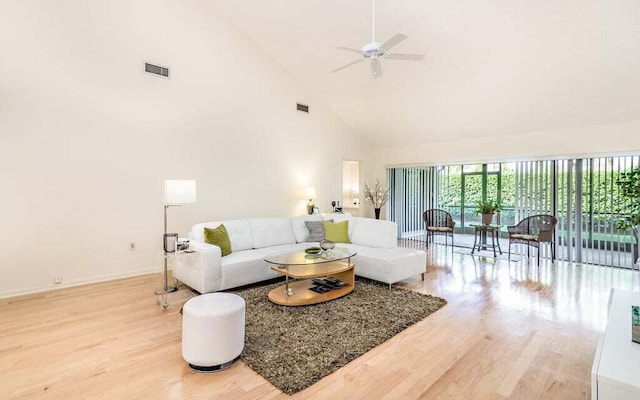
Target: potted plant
{"x": 487, "y": 209}
{"x": 377, "y": 197}
{"x": 629, "y": 204}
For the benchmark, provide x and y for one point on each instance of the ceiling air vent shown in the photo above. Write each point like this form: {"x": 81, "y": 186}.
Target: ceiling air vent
{"x": 302, "y": 107}
{"x": 156, "y": 70}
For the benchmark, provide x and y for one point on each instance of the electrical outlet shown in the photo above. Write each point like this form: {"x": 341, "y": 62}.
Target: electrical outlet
{"x": 132, "y": 246}
{"x": 57, "y": 279}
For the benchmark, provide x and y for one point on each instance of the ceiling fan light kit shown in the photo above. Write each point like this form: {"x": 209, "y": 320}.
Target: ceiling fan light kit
{"x": 375, "y": 51}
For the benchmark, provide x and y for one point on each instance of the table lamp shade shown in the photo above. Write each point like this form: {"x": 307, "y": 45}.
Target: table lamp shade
{"x": 311, "y": 193}
{"x": 179, "y": 191}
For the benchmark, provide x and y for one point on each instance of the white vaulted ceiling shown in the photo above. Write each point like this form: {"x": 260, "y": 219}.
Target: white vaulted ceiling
{"x": 493, "y": 67}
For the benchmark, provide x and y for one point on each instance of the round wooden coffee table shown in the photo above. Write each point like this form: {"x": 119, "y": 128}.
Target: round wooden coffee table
{"x": 302, "y": 268}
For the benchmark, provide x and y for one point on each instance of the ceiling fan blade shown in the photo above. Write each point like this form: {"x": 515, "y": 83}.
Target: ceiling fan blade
{"x": 348, "y": 65}
{"x": 376, "y": 69}
{"x": 397, "y": 38}
{"x": 401, "y": 56}
{"x": 350, "y": 49}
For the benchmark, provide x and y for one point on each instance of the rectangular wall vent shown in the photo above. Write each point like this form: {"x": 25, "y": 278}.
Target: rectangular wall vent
{"x": 302, "y": 107}
{"x": 156, "y": 70}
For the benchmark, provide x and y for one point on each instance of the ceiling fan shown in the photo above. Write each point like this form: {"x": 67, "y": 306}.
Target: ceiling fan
{"x": 375, "y": 51}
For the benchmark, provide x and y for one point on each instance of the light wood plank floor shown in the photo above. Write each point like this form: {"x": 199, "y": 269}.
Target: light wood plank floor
{"x": 510, "y": 330}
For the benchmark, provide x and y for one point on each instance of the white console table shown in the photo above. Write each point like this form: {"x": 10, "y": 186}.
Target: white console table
{"x": 615, "y": 374}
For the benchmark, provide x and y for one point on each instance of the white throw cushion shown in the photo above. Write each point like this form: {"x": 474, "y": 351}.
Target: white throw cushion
{"x": 271, "y": 232}
{"x": 300, "y": 229}
{"x": 239, "y": 233}
{"x": 373, "y": 232}
{"x": 336, "y": 217}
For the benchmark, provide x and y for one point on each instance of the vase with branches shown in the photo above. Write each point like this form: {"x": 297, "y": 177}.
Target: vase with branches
{"x": 376, "y": 196}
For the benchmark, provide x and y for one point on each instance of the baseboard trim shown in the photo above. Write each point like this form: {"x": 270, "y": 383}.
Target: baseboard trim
{"x": 78, "y": 282}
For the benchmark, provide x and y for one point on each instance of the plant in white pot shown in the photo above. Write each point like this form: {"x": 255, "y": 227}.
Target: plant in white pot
{"x": 377, "y": 197}
{"x": 487, "y": 209}
{"x": 629, "y": 205}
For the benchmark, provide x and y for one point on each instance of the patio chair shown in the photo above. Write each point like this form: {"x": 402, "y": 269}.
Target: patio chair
{"x": 438, "y": 222}
{"x": 532, "y": 231}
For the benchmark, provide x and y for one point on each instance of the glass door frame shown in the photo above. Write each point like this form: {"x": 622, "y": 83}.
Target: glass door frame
{"x": 484, "y": 173}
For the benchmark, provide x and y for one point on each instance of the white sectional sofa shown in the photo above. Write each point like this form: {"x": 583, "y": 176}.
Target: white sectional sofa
{"x": 206, "y": 271}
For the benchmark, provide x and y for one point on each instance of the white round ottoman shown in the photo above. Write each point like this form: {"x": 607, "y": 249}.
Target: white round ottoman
{"x": 212, "y": 331}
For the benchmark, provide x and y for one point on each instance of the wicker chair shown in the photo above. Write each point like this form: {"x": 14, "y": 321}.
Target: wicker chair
{"x": 438, "y": 222}
{"x": 532, "y": 231}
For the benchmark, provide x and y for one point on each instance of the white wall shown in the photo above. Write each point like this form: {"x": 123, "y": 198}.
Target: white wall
{"x": 88, "y": 138}
{"x": 620, "y": 138}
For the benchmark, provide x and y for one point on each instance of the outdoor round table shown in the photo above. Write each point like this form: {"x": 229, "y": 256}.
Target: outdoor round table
{"x": 480, "y": 238}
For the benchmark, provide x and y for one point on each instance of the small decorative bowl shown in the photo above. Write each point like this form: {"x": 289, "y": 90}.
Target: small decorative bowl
{"x": 327, "y": 245}
{"x": 313, "y": 250}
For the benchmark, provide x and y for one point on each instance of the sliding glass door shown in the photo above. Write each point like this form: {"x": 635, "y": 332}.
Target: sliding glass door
{"x": 480, "y": 182}
{"x": 581, "y": 193}
{"x": 588, "y": 211}
{"x": 409, "y": 192}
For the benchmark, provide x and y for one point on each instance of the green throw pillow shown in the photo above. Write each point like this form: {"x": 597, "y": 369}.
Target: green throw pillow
{"x": 218, "y": 237}
{"x": 336, "y": 232}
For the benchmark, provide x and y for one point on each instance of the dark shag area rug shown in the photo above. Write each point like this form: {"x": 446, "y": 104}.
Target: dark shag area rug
{"x": 294, "y": 347}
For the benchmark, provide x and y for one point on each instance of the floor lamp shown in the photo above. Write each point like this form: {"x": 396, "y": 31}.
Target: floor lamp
{"x": 176, "y": 193}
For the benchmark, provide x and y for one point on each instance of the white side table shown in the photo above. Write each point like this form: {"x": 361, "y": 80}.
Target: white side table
{"x": 615, "y": 374}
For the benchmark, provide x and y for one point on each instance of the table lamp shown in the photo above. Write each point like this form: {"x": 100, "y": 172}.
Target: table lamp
{"x": 311, "y": 194}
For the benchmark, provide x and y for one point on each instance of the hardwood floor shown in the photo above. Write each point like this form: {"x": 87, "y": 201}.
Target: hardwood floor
{"x": 510, "y": 330}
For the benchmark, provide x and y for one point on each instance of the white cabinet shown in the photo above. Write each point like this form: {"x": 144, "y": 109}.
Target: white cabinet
{"x": 615, "y": 374}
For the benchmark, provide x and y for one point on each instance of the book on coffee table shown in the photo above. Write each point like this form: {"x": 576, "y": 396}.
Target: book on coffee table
{"x": 329, "y": 282}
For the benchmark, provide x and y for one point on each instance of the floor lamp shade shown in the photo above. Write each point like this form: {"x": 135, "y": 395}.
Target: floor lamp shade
{"x": 179, "y": 191}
